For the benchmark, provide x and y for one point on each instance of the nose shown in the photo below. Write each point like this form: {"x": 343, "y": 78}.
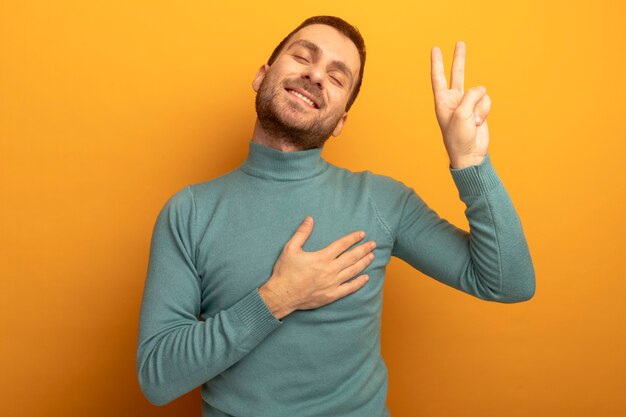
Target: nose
{"x": 315, "y": 75}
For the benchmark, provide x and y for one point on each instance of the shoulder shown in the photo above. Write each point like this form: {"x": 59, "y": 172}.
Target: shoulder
{"x": 186, "y": 198}
{"x": 206, "y": 192}
{"x": 379, "y": 186}
{"x": 215, "y": 183}
{"x": 179, "y": 205}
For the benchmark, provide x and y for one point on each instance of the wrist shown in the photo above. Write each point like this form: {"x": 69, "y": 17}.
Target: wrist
{"x": 274, "y": 302}
{"x": 460, "y": 162}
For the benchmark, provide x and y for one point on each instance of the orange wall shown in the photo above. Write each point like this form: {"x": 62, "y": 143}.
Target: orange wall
{"x": 108, "y": 108}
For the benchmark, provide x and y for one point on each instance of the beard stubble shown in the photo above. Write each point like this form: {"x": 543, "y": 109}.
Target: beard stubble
{"x": 312, "y": 134}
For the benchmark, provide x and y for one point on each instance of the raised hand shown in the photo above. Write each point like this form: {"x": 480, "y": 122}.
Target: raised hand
{"x": 461, "y": 114}
{"x": 307, "y": 280}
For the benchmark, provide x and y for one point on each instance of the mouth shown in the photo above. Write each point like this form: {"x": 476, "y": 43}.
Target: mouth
{"x": 304, "y": 97}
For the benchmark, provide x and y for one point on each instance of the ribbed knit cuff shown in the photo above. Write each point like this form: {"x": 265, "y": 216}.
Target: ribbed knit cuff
{"x": 476, "y": 179}
{"x": 255, "y": 315}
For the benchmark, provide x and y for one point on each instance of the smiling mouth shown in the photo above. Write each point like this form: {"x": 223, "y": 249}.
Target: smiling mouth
{"x": 305, "y": 99}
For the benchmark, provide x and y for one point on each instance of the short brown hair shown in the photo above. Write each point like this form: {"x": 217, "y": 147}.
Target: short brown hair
{"x": 351, "y": 32}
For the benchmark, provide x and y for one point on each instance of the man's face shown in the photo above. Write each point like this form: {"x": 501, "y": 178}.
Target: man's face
{"x": 302, "y": 97}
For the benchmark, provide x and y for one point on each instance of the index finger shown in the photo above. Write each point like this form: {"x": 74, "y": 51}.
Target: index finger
{"x": 437, "y": 74}
{"x": 340, "y": 245}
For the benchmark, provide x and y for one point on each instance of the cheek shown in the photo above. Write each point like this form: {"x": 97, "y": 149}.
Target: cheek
{"x": 271, "y": 85}
{"x": 339, "y": 100}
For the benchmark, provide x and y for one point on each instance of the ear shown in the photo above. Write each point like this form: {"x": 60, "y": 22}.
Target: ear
{"x": 259, "y": 77}
{"x": 340, "y": 124}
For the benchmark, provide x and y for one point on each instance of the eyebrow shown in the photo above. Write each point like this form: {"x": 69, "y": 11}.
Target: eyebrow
{"x": 316, "y": 50}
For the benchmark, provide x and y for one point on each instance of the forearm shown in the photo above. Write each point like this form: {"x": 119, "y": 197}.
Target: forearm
{"x": 499, "y": 258}
{"x": 177, "y": 354}
{"x": 492, "y": 261}
{"x": 176, "y": 351}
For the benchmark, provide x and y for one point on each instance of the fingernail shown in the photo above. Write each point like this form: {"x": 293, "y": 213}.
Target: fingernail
{"x": 362, "y": 235}
{"x": 373, "y": 244}
{"x": 308, "y": 220}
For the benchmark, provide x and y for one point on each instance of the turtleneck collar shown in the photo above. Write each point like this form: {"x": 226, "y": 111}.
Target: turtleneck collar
{"x": 270, "y": 163}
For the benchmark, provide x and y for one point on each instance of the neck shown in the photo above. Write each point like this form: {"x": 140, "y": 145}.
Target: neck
{"x": 261, "y": 137}
{"x": 270, "y": 163}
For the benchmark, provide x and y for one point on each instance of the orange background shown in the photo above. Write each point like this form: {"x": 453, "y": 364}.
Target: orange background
{"x": 108, "y": 108}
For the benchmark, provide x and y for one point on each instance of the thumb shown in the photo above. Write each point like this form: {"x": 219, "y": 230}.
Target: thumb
{"x": 302, "y": 234}
{"x": 469, "y": 100}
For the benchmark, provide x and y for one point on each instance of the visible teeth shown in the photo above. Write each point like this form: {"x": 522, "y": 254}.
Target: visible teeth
{"x": 306, "y": 99}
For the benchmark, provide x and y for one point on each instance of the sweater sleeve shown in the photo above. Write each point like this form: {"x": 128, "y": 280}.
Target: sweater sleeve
{"x": 492, "y": 261}
{"x": 177, "y": 351}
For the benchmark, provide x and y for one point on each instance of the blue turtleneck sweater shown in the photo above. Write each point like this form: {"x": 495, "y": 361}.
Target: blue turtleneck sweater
{"x": 214, "y": 244}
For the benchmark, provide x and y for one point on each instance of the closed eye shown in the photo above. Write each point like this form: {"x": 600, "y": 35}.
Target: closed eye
{"x": 301, "y": 59}
{"x": 336, "y": 81}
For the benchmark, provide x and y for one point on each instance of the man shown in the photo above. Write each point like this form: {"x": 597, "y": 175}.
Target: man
{"x": 273, "y": 322}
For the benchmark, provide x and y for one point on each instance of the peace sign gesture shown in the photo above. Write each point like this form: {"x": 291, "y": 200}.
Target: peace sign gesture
{"x": 461, "y": 114}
